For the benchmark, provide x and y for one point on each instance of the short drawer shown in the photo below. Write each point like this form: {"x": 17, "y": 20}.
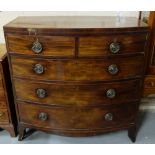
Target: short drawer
{"x": 45, "y": 45}
{"x": 76, "y": 118}
{"x": 79, "y": 69}
{"x": 112, "y": 45}
{"x": 4, "y": 115}
{"x": 65, "y": 94}
{"x": 2, "y": 99}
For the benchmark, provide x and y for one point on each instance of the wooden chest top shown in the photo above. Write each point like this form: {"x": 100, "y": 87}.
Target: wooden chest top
{"x": 78, "y": 24}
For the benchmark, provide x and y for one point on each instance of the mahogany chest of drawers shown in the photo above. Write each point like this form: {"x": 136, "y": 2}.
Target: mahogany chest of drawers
{"x": 77, "y": 76}
{"x": 7, "y": 107}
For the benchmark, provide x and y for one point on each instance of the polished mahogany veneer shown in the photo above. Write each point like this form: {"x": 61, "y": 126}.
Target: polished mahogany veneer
{"x": 52, "y": 46}
{"x": 77, "y": 76}
{"x": 78, "y": 94}
{"x": 99, "y": 45}
{"x": 79, "y": 69}
{"x": 77, "y": 118}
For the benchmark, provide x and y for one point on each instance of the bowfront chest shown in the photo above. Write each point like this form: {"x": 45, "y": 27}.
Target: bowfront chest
{"x": 77, "y": 76}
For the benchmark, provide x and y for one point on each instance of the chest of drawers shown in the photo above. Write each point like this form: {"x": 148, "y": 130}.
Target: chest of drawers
{"x": 7, "y": 107}
{"x": 77, "y": 76}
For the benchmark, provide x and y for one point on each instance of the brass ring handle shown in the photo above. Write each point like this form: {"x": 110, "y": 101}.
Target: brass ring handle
{"x": 108, "y": 117}
{"x": 113, "y": 69}
{"x": 41, "y": 93}
{"x": 37, "y": 47}
{"x": 1, "y": 114}
{"x": 43, "y": 116}
{"x": 38, "y": 69}
{"x": 114, "y": 47}
{"x": 111, "y": 93}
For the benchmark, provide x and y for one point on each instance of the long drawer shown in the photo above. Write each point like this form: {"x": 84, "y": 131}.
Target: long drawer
{"x": 78, "y": 69}
{"x": 64, "y": 94}
{"x": 112, "y": 44}
{"x": 49, "y": 45}
{"x": 76, "y": 118}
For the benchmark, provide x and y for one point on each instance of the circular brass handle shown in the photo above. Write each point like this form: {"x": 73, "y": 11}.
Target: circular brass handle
{"x": 38, "y": 68}
{"x": 114, "y": 47}
{"x": 113, "y": 69}
{"x": 37, "y": 47}
{"x": 41, "y": 93}
{"x": 108, "y": 117}
{"x": 1, "y": 114}
{"x": 43, "y": 116}
{"x": 111, "y": 93}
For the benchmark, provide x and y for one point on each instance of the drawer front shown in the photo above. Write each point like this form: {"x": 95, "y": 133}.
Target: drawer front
{"x": 78, "y": 70}
{"x": 64, "y": 94}
{"x": 4, "y": 115}
{"x": 113, "y": 44}
{"x": 76, "y": 118}
{"x": 50, "y": 45}
{"x": 2, "y": 99}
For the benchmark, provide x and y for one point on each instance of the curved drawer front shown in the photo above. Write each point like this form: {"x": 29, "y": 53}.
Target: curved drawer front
{"x": 4, "y": 116}
{"x": 78, "y": 70}
{"x": 76, "y": 118}
{"x": 102, "y": 46}
{"x": 64, "y": 94}
{"x": 50, "y": 45}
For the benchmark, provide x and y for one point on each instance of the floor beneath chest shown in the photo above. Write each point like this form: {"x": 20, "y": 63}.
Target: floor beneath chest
{"x": 146, "y": 135}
